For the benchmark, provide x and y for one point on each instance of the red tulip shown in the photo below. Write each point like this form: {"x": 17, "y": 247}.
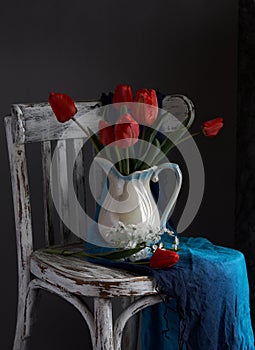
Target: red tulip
{"x": 123, "y": 93}
{"x": 63, "y": 106}
{"x": 126, "y": 131}
{"x": 123, "y": 134}
{"x": 211, "y": 127}
{"x": 146, "y": 108}
{"x": 106, "y": 133}
{"x": 163, "y": 258}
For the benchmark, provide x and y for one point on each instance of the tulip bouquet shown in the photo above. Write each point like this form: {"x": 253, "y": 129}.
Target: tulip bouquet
{"x": 130, "y": 133}
{"x": 135, "y": 119}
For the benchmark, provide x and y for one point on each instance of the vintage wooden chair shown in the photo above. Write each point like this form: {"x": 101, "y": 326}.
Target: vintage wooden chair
{"x": 66, "y": 276}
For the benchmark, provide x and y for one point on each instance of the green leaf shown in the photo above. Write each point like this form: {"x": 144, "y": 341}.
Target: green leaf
{"x": 95, "y": 139}
{"x": 120, "y": 254}
{"x": 114, "y": 255}
{"x": 167, "y": 145}
{"x": 59, "y": 251}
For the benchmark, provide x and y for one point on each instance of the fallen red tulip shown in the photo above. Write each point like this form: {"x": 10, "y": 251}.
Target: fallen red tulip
{"x": 163, "y": 258}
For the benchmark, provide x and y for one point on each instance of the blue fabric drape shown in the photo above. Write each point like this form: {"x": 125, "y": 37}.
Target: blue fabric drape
{"x": 210, "y": 309}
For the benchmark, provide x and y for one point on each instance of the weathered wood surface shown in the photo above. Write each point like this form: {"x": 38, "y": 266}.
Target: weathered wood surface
{"x": 62, "y": 182}
{"x": 81, "y": 277}
{"x": 31, "y": 305}
{"x": 22, "y": 214}
{"x": 36, "y": 122}
{"x": 103, "y": 324}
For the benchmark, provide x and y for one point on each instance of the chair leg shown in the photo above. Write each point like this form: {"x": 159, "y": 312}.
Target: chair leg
{"x": 19, "y": 342}
{"x": 103, "y": 324}
{"x": 26, "y": 315}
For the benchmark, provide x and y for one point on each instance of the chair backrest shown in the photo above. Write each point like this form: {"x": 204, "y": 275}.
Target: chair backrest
{"x": 36, "y": 123}
{"x": 31, "y": 123}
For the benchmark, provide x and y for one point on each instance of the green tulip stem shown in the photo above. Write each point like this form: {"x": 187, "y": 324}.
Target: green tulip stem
{"x": 187, "y": 138}
{"x": 81, "y": 127}
{"x": 85, "y": 132}
{"x": 117, "y": 151}
{"x": 142, "y": 139}
{"x": 158, "y": 158}
{"x": 127, "y": 161}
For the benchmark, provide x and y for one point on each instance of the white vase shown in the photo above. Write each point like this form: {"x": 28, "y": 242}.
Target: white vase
{"x": 129, "y": 214}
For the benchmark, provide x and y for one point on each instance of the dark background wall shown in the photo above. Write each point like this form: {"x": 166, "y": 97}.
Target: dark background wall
{"x": 84, "y": 48}
{"x": 245, "y": 179}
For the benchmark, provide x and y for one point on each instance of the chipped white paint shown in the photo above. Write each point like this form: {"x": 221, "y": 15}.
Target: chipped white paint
{"x": 67, "y": 276}
{"x": 81, "y": 277}
{"x": 103, "y": 324}
{"x": 22, "y": 214}
{"x": 36, "y": 122}
{"x": 62, "y": 190}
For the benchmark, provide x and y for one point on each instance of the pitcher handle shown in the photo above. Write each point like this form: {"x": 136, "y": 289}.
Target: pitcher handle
{"x": 172, "y": 200}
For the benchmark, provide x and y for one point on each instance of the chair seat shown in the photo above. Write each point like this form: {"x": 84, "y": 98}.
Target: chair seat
{"x": 81, "y": 277}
